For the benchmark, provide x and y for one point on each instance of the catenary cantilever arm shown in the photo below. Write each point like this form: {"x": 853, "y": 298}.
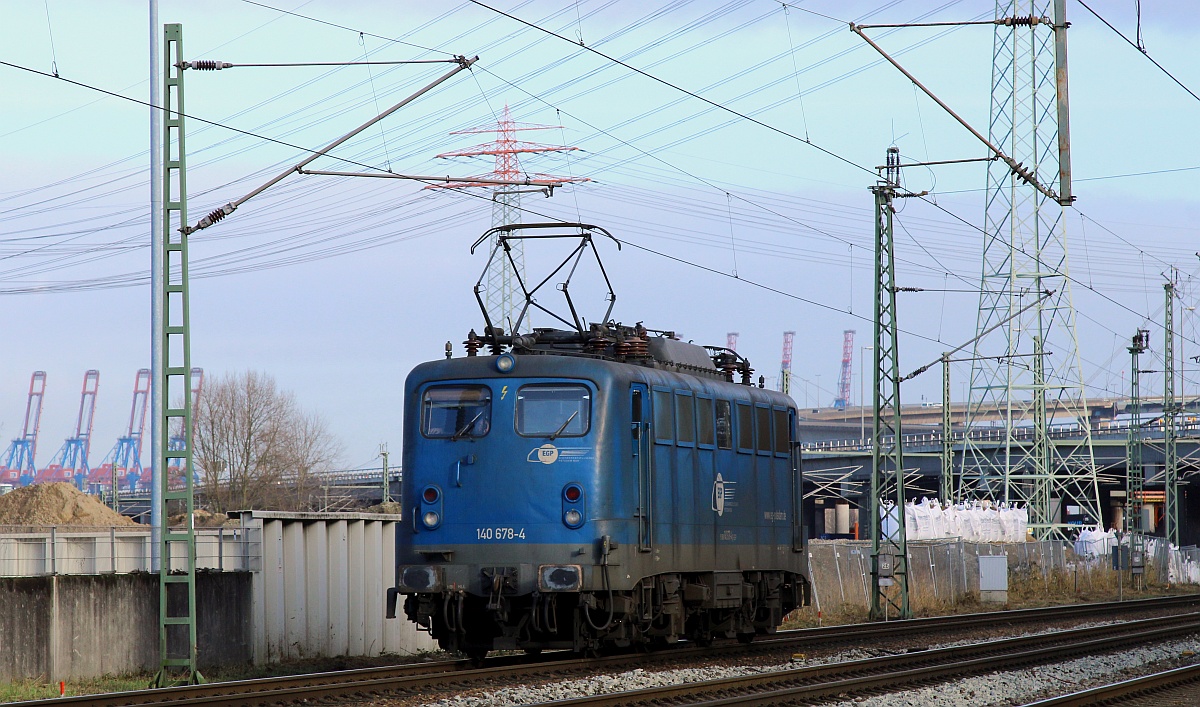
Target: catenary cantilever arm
{"x": 220, "y": 213}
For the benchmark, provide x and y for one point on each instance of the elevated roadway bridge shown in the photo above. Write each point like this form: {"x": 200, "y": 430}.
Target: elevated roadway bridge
{"x": 930, "y": 413}
{"x": 837, "y": 459}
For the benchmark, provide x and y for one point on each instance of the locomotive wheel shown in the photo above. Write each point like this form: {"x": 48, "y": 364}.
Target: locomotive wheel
{"x": 476, "y": 654}
{"x": 745, "y": 638}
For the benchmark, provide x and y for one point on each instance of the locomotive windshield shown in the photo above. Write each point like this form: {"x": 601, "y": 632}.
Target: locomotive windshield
{"x": 456, "y": 411}
{"x": 553, "y": 410}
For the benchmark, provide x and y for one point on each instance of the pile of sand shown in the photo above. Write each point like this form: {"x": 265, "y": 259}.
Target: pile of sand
{"x": 393, "y": 507}
{"x": 202, "y": 518}
{"x": 56, "y": 504}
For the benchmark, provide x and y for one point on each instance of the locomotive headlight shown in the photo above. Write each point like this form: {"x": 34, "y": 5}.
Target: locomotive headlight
{"x": 431, "y": 519}
{"x": 573, "y": 518}
{"x": 505, "y": 363}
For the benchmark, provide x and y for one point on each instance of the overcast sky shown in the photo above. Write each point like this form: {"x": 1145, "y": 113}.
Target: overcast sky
{"x": 338, "y": 287}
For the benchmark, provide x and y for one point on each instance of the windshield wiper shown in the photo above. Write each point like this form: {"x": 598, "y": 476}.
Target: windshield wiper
{"x": 454, "y": 437}
{"x": 564, "y": 425}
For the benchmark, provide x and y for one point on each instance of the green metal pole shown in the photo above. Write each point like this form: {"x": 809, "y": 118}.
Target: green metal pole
{"x": 889, "y": 555}
{"x": 177, "y": 585}
{"x": 1170, "y": 420}
{"x": 1042, "y": 517}
{"x": 1135, "y": 475}
{"x": 948, "y": 494}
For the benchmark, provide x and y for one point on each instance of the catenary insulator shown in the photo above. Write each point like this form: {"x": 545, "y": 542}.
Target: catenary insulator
{"x": 207, "y": 65}
{"x": 1027, "y": 21}
{"x": 215, "y": 215}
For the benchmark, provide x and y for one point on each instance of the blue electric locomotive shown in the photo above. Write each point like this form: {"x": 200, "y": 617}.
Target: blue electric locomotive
{"x": 582, "y": 489}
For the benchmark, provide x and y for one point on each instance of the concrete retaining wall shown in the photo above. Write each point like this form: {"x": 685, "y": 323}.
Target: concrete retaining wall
{"x": 316, "y": 586}
{"x": 74, "y": 626}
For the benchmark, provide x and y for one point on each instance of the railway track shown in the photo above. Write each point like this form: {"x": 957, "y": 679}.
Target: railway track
{"x": 850, "y": 679}
{"x": 1166, "y": 689}
{"x": 456, "y": 675}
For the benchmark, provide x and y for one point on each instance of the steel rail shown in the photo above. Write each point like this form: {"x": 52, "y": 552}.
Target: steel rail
{"x": 419, "y": 676}
{"x": 882, "y": 675}
{"x": 1126, "y": 690}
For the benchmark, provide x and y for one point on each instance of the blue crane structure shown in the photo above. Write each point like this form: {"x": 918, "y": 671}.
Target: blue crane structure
{"x": 122, "y": 467}
{"x": 19, "y": 467}
{"x": 70, "y": 462}
{"x": 178, "y": 440}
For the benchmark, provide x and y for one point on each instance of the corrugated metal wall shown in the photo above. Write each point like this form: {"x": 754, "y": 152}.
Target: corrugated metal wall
{"x": 320, "y": 582}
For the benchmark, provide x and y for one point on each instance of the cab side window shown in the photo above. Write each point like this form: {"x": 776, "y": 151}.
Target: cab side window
{"x": 783, "y": 436}
{"x": 762, "y": 419}
{"x": 685, "y": 419}
{"x": 664, "y": 417}
{"x": 704, "y": 422}
{"x": 745, "y": 431}
{"x": 724, "y": 424}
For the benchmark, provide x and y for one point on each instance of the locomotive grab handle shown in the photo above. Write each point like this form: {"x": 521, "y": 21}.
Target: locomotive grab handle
{"x": 458, "y": 465}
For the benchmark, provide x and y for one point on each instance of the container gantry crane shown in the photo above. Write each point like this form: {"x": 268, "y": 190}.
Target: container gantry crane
{"x": 122, "y": 468}
{"x": 843, "y": 396}
{"x": 70, "y": 463}
{"x": 19, "y": 467}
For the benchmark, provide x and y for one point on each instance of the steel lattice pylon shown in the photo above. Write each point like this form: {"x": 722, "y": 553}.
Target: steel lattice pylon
{"x": 1025, "y": 254}
{"x": 503, "y": 296}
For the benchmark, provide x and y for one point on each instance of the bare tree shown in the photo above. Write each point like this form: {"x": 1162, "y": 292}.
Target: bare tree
{"x": 255, "y": 448}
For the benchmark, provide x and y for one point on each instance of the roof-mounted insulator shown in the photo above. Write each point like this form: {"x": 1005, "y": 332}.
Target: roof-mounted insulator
{"x": 473, "y": 343}
{"x": 206, "y": 65}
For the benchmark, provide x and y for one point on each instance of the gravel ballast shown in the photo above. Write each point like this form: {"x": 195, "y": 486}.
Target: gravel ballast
{"x": 1005, "y": 688}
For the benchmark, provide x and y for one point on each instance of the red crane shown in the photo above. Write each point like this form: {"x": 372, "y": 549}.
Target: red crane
{"x": 785, "y": 368}
{"x": 843, "y": 397}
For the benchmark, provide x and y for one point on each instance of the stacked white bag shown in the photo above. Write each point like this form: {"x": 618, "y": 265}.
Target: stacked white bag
{"x": 979, "y": 522}
{"x": 1094, "y": 542}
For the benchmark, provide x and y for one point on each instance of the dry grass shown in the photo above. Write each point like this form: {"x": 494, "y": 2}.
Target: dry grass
{"x": 1029, "y": 587}
{"x": 35, "y": 690}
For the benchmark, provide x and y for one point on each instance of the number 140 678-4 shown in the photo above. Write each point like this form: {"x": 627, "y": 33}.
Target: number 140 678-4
{"x": 498, "y": 533}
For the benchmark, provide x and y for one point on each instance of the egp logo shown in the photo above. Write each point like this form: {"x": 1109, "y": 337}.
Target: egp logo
{"x": 549, "y": 454}
{"x": 722, "y": 496}
{"x": 546, "y": 454}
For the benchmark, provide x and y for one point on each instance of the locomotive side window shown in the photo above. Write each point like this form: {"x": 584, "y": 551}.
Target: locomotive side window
{"x": 782, "y": 436}
{"x": 745, "y": 421}
{"x": 554, "y": 410}
{"x": 685, "y": 418}
{"x": 762, "y": 415}
{"x": 724, "y": 424}
{"x": 704, "y": 422}
{"x": 664, "y": 417}
{"x": 456, "y": 411}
